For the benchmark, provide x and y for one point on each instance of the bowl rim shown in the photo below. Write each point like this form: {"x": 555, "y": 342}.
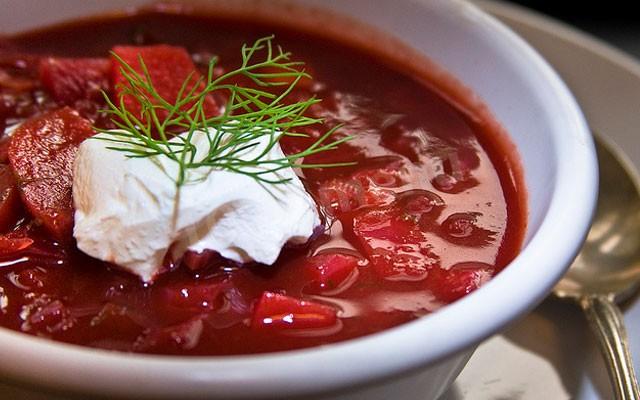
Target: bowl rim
{"x": 370, "y": 358}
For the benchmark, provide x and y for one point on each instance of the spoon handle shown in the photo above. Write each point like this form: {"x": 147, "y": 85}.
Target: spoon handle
{"x": 607, "y": 322}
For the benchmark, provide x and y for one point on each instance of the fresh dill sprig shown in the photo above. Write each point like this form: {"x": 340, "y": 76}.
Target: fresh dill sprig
{"x": 252, "y": 115}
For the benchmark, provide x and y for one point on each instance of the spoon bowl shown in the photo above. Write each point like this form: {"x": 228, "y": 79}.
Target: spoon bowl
{"x": 609, "y": 262}
{"x": 607, "y": 269}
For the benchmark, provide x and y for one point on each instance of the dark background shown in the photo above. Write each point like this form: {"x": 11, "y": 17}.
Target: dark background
{"x": 615, "y": 21}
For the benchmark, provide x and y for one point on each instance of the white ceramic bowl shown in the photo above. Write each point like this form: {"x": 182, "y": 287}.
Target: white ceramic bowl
{"x": 417, "y": 360}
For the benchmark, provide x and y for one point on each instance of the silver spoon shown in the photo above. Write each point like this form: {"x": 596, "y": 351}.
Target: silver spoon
{"x": 607, "y": 270}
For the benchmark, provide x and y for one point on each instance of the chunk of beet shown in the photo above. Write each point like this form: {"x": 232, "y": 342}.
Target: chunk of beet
{"x": 11, "y": 245}
{"x": 280, "y": 312}
{"x": 70, "y": 80}
{"x": 393, "y": 243}
{"x": 462, "y": 279}
{"x": 366, "y": 187}
{"x": 385, "y": 224}
{"x": 181, "y": 301}
{"x": 328, "y": 271}
{"x": 9, "y": 198}
{"x": 168, "y": 66}
{"x": 41, "y": 154}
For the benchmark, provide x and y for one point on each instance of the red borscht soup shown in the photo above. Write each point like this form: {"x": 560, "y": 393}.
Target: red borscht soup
{"x": 427, "y": 207}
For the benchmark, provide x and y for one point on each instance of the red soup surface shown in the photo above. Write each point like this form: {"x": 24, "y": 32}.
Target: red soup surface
{"x": 430, "y": 212}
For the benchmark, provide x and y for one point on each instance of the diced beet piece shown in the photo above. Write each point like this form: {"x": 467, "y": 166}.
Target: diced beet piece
{"x": 328, "y": 271}
{"x": 12, "y": 245}
{"x": 339, "y": 196}
{"x": 184, "y": 336}
{"x": 366, "y": 187}
{"x": 400, "y": 263}
{"x": 9, "y": 198}
{"x": 42, "y": 153}
{"x": 69, "y": 80}
{"x": 462, "y": 279}
{"x": 280, "y": 312}
{"x": 385, "y": 224}
{"x": 379, "y": 197}
{"x": 393, "y": 243}
{"x": 168, "y": 66}
{"x": 181, "y": 301}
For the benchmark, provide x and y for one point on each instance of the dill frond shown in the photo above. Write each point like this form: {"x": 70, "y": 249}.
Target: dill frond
{"x": 251, "y": 115}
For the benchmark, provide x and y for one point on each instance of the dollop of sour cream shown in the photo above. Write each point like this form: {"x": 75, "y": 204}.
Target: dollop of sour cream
{"x": 130, "y": 212}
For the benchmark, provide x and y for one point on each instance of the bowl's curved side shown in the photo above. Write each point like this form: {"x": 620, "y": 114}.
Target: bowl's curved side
{"x": 560, "y": 170}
